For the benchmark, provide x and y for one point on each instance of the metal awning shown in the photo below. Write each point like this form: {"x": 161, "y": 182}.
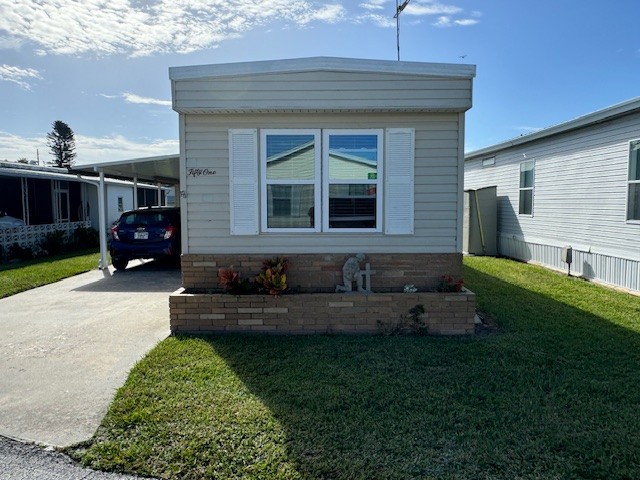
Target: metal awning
{"x": 163, "y": 169}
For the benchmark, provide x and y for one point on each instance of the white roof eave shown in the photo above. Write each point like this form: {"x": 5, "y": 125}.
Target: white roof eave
{"x": 289, "y": 109}
{"x": 311, "y": 64}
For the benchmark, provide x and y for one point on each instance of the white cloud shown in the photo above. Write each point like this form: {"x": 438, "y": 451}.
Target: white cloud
{"x": 431, "y": 8}
{"x": 140, "y": 28}
{"x": 98, "y": 149}
{"x": 329, "y": 14}
{"x": 447, "y": 21}
{"x": 373, "y": 5}
{"x": 133, "y": 98}
{"x": 18, "y": 75}
{"x": 378, "y": 20}
{"x": 417, "y": 8}
{"x": 466, "y": 22}
{"x": 137, "y": 99}
{"x": 137, "y": 28}
{"x": 88, "y": 149}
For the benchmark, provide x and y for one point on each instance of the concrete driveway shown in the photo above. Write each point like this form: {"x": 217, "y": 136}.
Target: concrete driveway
{"x": 66, "y": 348}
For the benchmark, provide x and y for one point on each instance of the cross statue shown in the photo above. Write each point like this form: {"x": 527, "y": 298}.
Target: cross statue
{"x": 366, "y": 277}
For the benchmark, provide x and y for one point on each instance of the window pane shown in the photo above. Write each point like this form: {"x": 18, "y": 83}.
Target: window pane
{"x": 290, "y": 157}
{"x": 526, "y": 202}
{"x": 633, "y": 210}
{"x": 634, "y": 161}
{"x": 353, "y": 157}
{"x": 526, "y": 175}
{"x": 290, "y": 206}
{"x": 352, "y": 206}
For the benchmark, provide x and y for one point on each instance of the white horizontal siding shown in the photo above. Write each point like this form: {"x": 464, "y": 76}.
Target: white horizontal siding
{"x": 322, "y": 90}
{"x": 207, "y": 201}
{"x": 580, "y": 199}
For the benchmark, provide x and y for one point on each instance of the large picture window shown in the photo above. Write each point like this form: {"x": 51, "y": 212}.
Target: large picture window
{"x": 525, "y": 206}
{"x": 633, "y": 195}
{"x": 313, "y": 182}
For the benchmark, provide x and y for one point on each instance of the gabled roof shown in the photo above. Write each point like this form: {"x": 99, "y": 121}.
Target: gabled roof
{"x": 314, "y": 64}
{"x": 599, "y": 116}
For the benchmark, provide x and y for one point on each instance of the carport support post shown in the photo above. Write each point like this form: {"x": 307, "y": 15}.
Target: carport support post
{"x": 135, "y": 192}
{"x": 102, "y": 219}
{"x": 159, "y": 195}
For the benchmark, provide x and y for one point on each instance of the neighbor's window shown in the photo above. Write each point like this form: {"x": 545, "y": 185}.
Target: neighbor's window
{"x": 526, "y": 188}
{"x": 120, "y": 204}
{"x": 488, "y": 162}
{"x": 633, "y": 203}
{"x": 352, "y": 172}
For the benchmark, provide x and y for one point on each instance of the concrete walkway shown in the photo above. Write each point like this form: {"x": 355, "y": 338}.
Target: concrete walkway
{"x": 66, "y": 348}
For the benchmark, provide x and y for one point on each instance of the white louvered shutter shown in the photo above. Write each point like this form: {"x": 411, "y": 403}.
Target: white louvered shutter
{"x": 243, "y": 181}
{"x": 399, "y": 185}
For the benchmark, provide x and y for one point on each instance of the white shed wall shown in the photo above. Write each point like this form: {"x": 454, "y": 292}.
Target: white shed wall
{"x": 580, "y": 195}
{"x": 436, "y": 185}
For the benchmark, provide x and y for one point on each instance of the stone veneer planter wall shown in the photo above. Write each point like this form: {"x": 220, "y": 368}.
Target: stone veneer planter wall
{"x": 322, "y": 272}
{"x": 305, "y": 313}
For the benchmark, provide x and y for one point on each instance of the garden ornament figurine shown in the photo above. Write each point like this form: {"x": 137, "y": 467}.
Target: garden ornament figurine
{"x": 351, "y": 273}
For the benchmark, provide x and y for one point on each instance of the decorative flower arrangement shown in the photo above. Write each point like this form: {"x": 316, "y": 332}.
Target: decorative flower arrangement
{"x": 272, "y": 279}
{"x": 448, "y": 284}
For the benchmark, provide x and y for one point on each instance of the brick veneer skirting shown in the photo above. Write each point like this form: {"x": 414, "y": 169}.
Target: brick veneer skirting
{"x": 322, "y": 272}
{"x": 306, "y": 313}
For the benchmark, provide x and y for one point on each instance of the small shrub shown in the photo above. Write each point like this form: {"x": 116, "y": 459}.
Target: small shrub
{"x": 273, "y": 278}
{"x": 18, "y": 252}
{"x": 411, "y": 324}
{"x": 447, "y": 284}
{"x": 53, "y": 242}
{"x": 231, "y": 282}
{"x": 86, "y": 237}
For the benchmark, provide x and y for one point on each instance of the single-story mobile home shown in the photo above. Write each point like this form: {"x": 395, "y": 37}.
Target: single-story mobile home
{"x": 575, "y": 184}
{"x": 318, "y": 159}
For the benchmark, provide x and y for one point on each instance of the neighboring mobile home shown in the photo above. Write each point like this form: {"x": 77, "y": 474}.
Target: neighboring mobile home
{"x": 318, "y": 159}
{"x": 575, "y": 184}
{"x": 51, "y": 198}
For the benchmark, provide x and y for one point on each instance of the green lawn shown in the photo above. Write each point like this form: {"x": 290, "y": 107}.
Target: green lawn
{"x": 553, "y": 395}
{"x": 21, "y": 276}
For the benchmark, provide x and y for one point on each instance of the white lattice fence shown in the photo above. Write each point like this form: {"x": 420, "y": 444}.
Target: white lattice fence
{"x": 31, "y": 235}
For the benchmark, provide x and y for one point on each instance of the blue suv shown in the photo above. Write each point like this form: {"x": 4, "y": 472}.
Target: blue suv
{"x": 146, "y": 233}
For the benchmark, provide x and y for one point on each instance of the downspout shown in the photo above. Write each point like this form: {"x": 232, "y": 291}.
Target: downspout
{"x": 102, "y": 219}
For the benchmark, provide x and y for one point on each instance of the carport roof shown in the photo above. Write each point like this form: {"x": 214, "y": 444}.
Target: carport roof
{"x": 160, "y": 169}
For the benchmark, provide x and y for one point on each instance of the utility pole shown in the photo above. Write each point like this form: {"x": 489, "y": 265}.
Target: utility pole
{"x": 399, "y": 9}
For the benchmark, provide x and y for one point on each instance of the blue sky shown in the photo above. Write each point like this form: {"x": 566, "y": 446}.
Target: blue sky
{"x": 102, "y": 66}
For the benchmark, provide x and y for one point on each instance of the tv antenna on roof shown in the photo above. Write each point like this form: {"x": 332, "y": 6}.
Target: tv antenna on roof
{"x": 399, "y": 8}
